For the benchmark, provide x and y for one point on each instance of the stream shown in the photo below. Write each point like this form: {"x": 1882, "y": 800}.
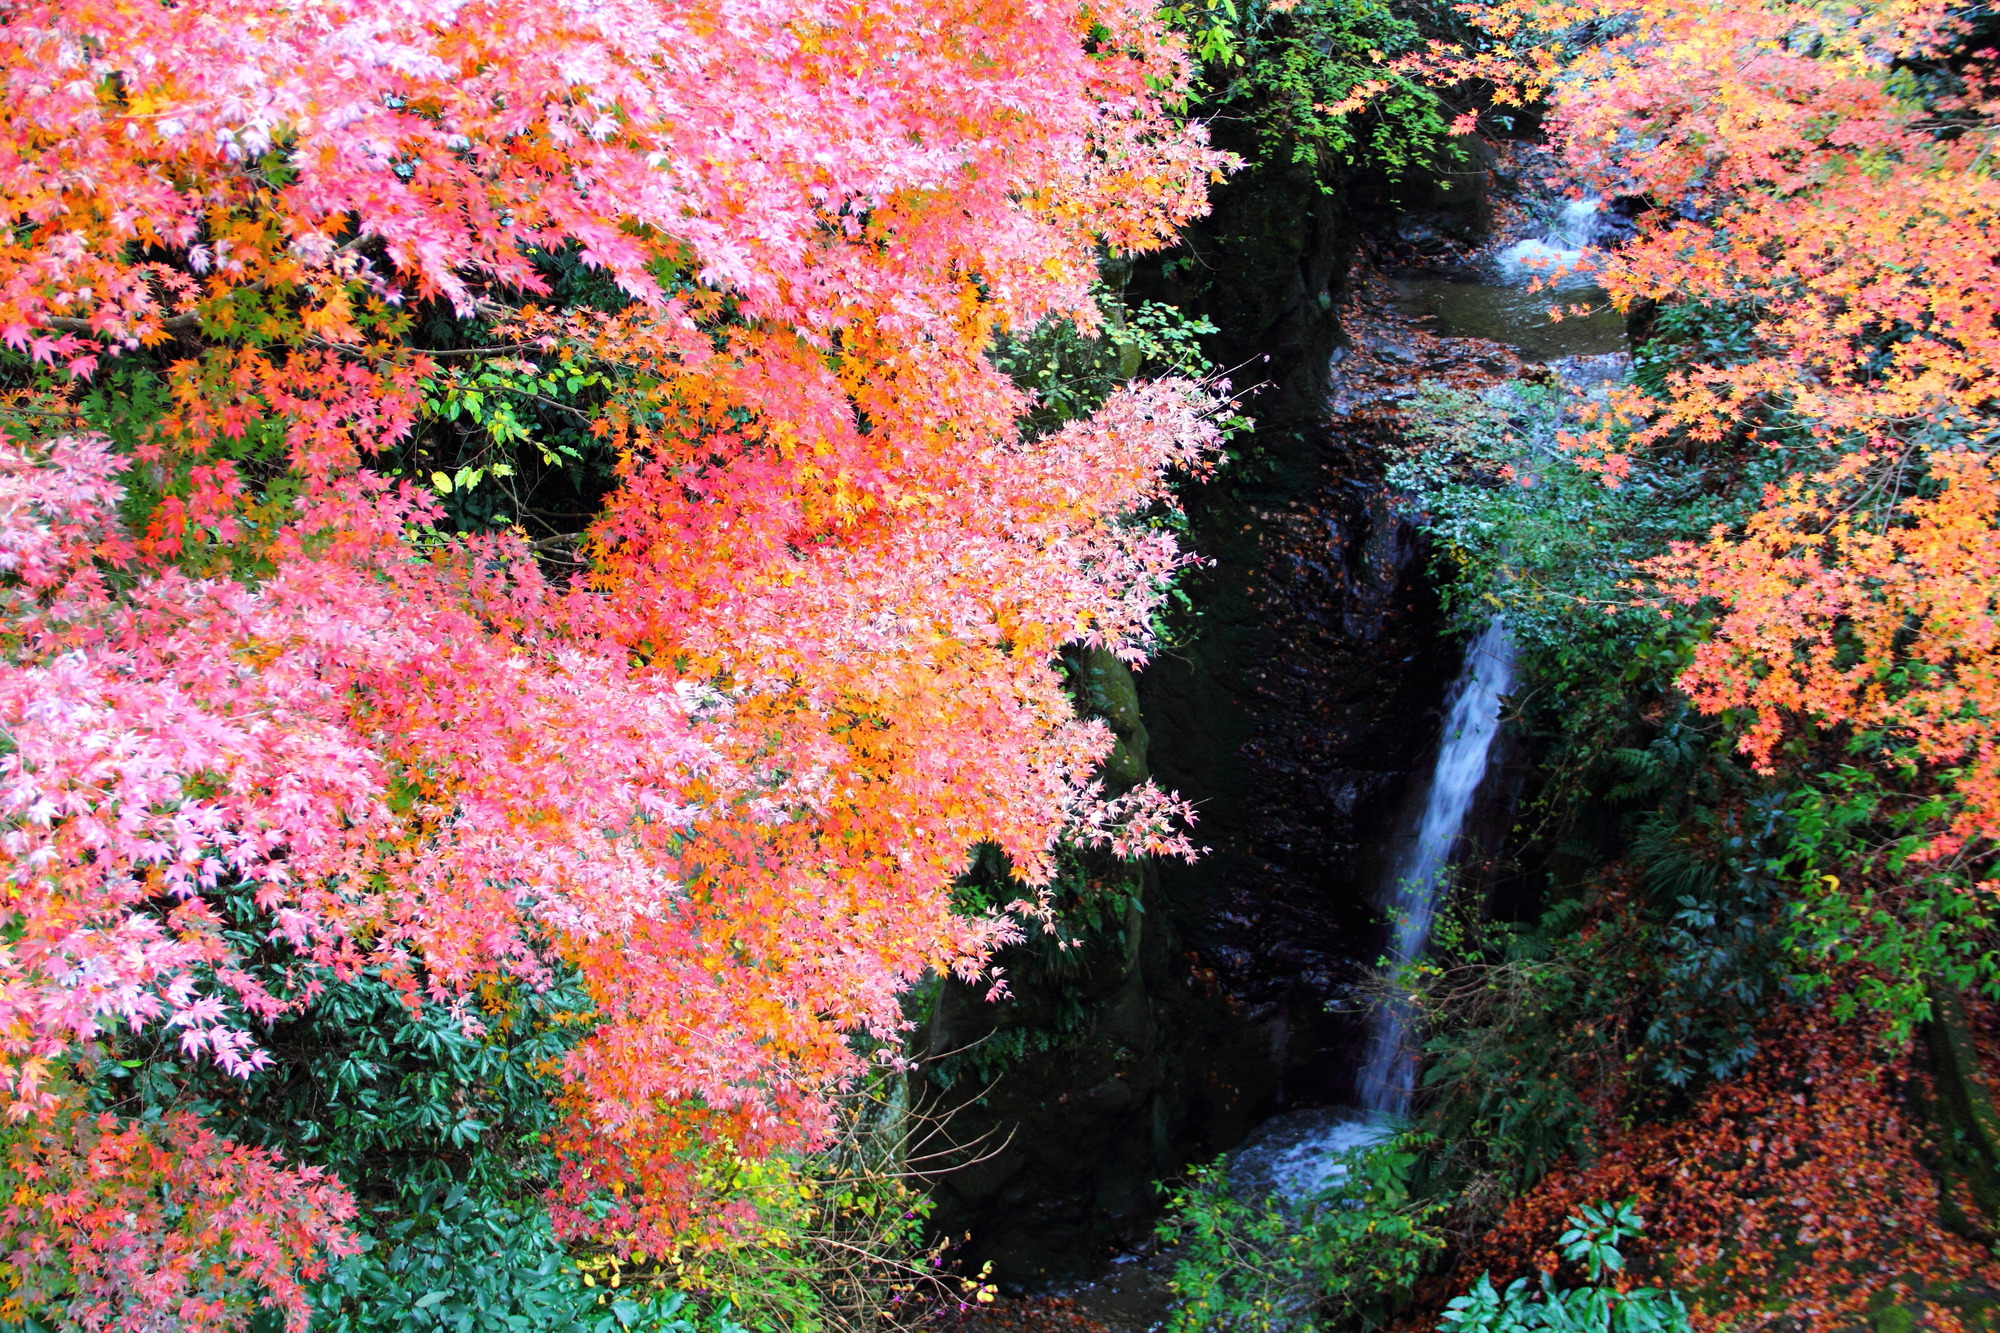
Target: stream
{"x": 1504, "y": 299}
{"x": 1349, "y": 760}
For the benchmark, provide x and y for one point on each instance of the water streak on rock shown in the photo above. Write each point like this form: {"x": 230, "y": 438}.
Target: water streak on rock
{"x": 1419, "y": 875}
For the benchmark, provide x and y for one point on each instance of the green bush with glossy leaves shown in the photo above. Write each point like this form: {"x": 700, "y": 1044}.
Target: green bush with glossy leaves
{"x": 1524, "y": 1307}
{"x": 1347, "y": 1255}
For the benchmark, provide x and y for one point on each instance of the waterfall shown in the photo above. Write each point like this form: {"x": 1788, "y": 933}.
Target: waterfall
{"x": 1472, "y": 719}
{"x": 1558, "y": 252}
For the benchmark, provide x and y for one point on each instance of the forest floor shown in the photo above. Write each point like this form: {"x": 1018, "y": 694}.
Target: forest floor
{"x": 1130, "y": 1296}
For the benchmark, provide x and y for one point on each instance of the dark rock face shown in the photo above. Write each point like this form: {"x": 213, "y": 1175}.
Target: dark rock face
{"x": 1308, "y": 692}
{"x": 1303, "y": 698}
{"x": 1265, "y": 267}
{"x": 1066, "y": 1145}
{"x": 1297, "y": 722}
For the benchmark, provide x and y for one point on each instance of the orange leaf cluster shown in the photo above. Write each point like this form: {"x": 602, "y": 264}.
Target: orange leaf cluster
{"x": 124, "y": 1223}
{"x": 1819, "y": 172}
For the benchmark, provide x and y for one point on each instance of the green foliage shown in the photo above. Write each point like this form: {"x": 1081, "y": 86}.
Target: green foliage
{"x": 506, "y": 434}
{"x": 507, "y": 440}
{"x": 454, "y": 1261}
{"x": 1851, "y": 831}
{"x": 1524, "y": 532}
{"x": 1531, "y": 1030}
{"x": 1593, "y": 1239}
{"x": 1211, "y": 27}
{"x": 1689, "y": 336}
{"x": 1348, "y": 1254}
{"x": 1070, "y": 374}
{"x": 1316, "y": 77}
{"x": 397, "y": 1096}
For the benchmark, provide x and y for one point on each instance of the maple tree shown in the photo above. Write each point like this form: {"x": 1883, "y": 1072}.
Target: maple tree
{"x": 1819, "y": 173}
{"x": 726, "y": 771}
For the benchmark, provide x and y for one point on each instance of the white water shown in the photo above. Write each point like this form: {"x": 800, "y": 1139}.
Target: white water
{"x": 1510, "y": 304}
{"x": 1472, "y": 720}
{"x": 1297, "y": 1155}
{"x": 1558, "y": 254}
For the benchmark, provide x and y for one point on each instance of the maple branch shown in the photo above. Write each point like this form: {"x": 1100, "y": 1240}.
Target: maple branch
{"x": 441, "y": 353}
{"x": 174, "y": 324}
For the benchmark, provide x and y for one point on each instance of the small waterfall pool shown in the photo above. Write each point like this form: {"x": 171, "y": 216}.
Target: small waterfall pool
{"x": 1302, "y": 1153}
{"x": 1495, "y": 302}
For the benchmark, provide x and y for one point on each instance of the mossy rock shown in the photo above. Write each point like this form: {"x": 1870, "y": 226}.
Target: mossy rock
{"x": 1894, "y": 1319}
{"x": 1110, "y": 693}
{"x": 1968, "y": 1138}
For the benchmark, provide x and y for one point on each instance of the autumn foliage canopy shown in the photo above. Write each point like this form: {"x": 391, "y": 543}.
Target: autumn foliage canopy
{"x": 1810, "y": 276}
{"x": 727, "y": 768}
{"x": 1821, "y": 173}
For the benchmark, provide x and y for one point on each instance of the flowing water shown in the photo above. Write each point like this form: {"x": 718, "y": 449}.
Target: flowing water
{"x": 1497, "y": 303}
{"x": 1421, "y": 874}
{"x": 1309, "y": 1153}
{"x": 1301, "y": 1153}
{"x": 1298, "y": 1155}
{"x": 1557, "y": 255}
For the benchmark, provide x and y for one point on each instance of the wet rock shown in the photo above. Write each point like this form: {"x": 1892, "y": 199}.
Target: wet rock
{"x": 1112, "y": 1094}
{"x": 1398, "y": 353}
{"x": 1588, "y": 372}
{"x": 1347, "y": 792}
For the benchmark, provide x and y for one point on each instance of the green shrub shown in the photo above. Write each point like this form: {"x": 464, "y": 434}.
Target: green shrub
{"x": 1592, "y": 1239}
{"x": 451, "y": 1261}
{"x": 1316, "y": 77}
{"x": 1267, "y": 1265}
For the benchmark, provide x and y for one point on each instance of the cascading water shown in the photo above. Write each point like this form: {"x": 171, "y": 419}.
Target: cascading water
{"x": 1507, "y": 300}
{"x": 1297, "y": 1155}
{"x": 1472, "y": 720}
{"x": 1557, "y": 254}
